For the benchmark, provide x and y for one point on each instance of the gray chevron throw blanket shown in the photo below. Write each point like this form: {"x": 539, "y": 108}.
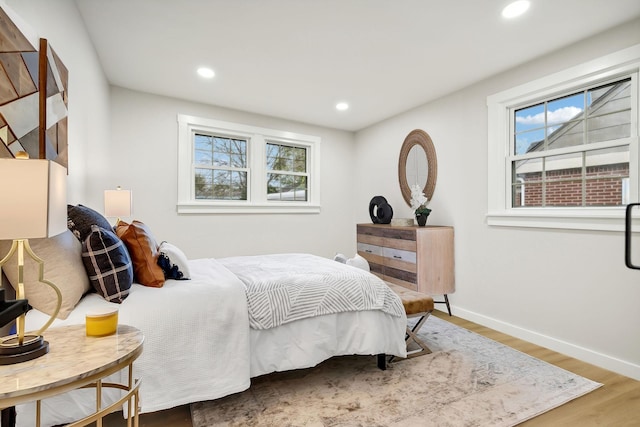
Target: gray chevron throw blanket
{"x": 282, "y": 288}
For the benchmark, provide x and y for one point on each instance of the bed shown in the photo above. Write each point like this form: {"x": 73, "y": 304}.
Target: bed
{"x": 206, "y": 337}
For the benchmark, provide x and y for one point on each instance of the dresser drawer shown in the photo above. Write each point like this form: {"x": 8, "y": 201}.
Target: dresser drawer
{"x": 399, "y": 255}
{"x": 370, "y": 249}
{"x": 370, "y": 239}
{"x": 370, "y": 230}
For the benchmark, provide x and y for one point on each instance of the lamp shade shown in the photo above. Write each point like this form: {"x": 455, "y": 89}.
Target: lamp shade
{"x": 33, "y": 194}
{"x": 117, "y": 203}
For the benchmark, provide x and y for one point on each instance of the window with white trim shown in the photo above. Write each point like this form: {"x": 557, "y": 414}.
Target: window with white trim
{"x": 236, "y": 168}
{"x": 563, "y": 150}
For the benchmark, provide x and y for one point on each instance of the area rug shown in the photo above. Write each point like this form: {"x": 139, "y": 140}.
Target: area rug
{"x": 467, "y": 380}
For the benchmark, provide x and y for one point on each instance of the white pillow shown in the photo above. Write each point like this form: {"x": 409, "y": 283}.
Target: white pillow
{"x": 359, "y": 262}
{"x": 173, "y": 262}
{"x": 62, "y": 256}
{"x": 340, "y": 258}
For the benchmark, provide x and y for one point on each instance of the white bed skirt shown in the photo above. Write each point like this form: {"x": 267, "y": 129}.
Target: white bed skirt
{"x": 307, "y": 342}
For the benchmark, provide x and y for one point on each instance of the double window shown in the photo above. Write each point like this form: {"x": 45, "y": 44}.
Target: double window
{"x": 563, "y": 150}
{"x": 230, "y": 167}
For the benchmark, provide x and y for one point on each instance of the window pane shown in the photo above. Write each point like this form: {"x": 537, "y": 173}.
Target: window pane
{"x": 204, "y": 184}
{"x": 563, "y": 193}
{"x": 225, "y": 185}
{"x": 567, "y": 135}
{"x": 238, "y": 153}
{"x": 609, "y": 127}
{"x": 272, "y": 156}
{"x": 238, "y": 186}
{"x": 563, "y": 180}
{"x": 567, "y": 108}
{"x": 565, "y": 120}
{"x": 301, "y": 188}
{"x": 238, "y": 160}
{"x": 203, "y": 149}
{"x": 221, "y": 159}
{"x": 529, "y": 118}
{"x": 286, "y": 187}
{"x": 203, "y": 142}
{"x": 529, "y": 128}
{"x": 203, "y": 157}
{"x": 286, "y": 158}
{"x": 221, "y": 184}
{"x": 529, "y": 141}
{"x": 607, "y": 173}
{"x": 610, "y": 112}
{"x": 221, "y": 145}
{"x": 300, "y": 160}
{"x": 220, "y": 151}
{"x": 527, "y": 184}
{"x": 609, "y": 98}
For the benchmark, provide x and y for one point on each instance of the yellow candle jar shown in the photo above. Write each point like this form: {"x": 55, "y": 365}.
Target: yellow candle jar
{"x": 102, "y": 323}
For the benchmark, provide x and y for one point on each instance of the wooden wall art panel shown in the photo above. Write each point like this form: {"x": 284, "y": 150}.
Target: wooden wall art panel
{"x": 33, "y": 95}
{"x": 54, "y": 107}
{"x": 19, "y": 121}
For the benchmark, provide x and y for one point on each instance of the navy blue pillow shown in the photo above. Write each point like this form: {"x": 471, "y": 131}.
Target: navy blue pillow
{"x": 80, "y": 219}
{"x": 108, "y": 264}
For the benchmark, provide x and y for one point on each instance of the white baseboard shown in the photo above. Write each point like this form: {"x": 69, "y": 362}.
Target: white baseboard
{"x": 595, "y": 358}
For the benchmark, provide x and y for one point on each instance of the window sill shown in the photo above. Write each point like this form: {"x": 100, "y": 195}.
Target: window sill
{"x": 603, "y": 219}
{"x": 270, "y": 208}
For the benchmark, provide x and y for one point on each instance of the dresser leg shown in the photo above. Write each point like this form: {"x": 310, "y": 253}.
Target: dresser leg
{"x": 8, "y": 417}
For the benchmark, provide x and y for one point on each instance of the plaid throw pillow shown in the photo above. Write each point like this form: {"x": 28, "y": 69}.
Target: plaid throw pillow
{"x": 108, "y": 264}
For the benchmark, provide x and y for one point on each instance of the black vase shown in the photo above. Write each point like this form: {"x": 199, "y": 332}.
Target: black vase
{"x": 422, "y": 219}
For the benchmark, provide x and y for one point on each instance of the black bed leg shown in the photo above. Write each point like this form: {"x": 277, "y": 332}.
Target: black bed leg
{"x": 382, "y": 361}
{"x": 8, "y": 418}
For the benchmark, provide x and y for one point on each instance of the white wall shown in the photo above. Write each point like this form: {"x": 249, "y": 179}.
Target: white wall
{"x": 583, "y": 302}
{"x": 143, "y": 153}
{"x": 567, "y": 290}
{"x": 136, "y": 148}
{"x": 60, "y": 23}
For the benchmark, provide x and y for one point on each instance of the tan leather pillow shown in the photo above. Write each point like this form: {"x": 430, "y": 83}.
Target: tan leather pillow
{"x": 143, "y": 248}
{"x": 62, "y": 256}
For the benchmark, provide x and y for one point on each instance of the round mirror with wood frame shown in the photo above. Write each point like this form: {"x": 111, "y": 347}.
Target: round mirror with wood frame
{"x": 418, "y": 138}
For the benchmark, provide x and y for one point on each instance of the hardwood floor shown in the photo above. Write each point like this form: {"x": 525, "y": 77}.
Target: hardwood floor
{"x": 617, "y": 403}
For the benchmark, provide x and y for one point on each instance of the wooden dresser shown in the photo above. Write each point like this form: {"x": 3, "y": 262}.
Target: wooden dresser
{"x": 418, "y": 258}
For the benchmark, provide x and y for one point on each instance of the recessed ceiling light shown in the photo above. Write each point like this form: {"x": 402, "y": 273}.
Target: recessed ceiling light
{"x": 341, "y": 106}
{"x": 206, "y": 72}
{"x": 516, "y": 8}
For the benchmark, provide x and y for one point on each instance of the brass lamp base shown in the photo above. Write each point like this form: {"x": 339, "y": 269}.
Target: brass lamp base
{"x": 11, "y": 351}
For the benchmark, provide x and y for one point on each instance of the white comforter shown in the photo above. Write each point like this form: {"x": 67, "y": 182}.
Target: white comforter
{"x": 199, "y": 346}
{"x": 196, "y": 344}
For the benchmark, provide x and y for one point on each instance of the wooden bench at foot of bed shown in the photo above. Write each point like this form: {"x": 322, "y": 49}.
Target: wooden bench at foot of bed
{"x": 416, "y": 304}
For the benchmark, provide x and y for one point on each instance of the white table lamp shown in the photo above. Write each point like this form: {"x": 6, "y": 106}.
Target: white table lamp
{"x": 117, "y": 203}
{"x": 33, "y": 194}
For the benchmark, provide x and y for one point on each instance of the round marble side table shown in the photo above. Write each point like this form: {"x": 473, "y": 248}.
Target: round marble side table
{"x": 76, "y": 361}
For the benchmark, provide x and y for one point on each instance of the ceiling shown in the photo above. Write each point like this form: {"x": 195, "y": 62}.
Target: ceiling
{"x": 296, "y": 59}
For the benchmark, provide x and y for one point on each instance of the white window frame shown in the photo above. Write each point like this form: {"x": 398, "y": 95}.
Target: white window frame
{"x": 257, "y": 138}
{"x": 500, "y": 211}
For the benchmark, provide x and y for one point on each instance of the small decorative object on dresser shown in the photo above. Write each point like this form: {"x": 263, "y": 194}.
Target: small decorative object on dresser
{"x": 402, "y": 222}
{"x": 380, "y": 211}
{"x": 418, "y": 258}
{"x": 419, "y": 205}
